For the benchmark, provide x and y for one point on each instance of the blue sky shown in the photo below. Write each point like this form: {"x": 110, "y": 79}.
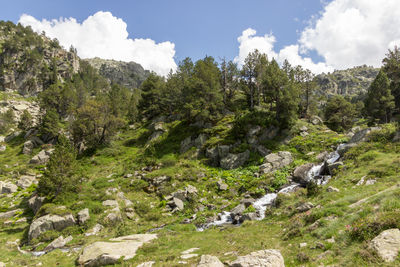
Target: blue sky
{"x": 199, "y": 28}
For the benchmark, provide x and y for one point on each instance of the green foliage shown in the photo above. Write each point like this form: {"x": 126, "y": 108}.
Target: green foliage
{"x": 49, "y": 125}
{"x": 339, "y": 114}
{"x": 379, "y": 104}
{"x": 60, "y": 174}
{"x": 7, "y": 119}
{"x": 25, "y": 121}
{"x": 313, "y": 189}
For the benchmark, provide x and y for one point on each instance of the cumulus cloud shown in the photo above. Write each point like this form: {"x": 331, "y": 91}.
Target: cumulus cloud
{"x": 104, "y": 35}
{"x": 346, "y": 33}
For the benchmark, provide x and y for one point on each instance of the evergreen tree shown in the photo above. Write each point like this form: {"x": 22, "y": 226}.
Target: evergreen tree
{"x": 60, "y": 174}
{"x": 150, "y": 102}
{"x": 25, "y": 121}
{"x": 339, "y": 113}
{"x": 391, "y": 66}
{"x": 379, "y": 104}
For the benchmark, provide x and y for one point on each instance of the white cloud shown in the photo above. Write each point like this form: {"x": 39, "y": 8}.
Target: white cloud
{"x": 104, "y": 35}
{"x": 346, "y": 33}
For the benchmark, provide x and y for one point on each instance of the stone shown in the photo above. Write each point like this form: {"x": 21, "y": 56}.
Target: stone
{"x": 300, "y": 174}
{"x": 303, "y": 245}
{"x": 190, "y": 190}
{"x": 3, "y": 148}
{"x": 387, "y": 244}
{"x": 113, "y": 217}
{"x": 26, "y": 180}
{"x": 213, "y": 155}
{"x": 264, "y": 258}
{"x": 222, "y": 186}
{"x": 9, "y": 214}
{"x": 305, "y": 207}
{"x": 370, "y": 182}
{"x": 49, "y": 222}
{"x": 178, "y": 203}
{"x": 10, "y": 137}
{"x": 362, "y": 136}
{"x": 315, "y": 120}
{"x": 238, "y": 210}
{"x": 233, "y": 161}
{"x": 303, "y": 129}
{"x": 262, "y": 150}
{"x": 35, "y": 203}
{"x": 275, "y": 161}
{"x": 209, "y": 261}
{"x": 158, "y": 181}
{"x": 42, "y": 157}
{"x": 155, "y": 135}
{"x": 332, "y": 189}
{"x": 186, "y": 144}
{"x": 7, "y": 188}
{"x": 28, "y": 147}
{"x": 157, "y": 126}
{"x": 58, "y": 243}
{"x": 223, "y": 151}
{"x": 95, "y": 230}
{"x": 331, "y": 240}
{"x": 255, "y": 130}
{"x": 108, "y": 253}
{"x": 322, "y": 156}
{"x": 146, "y": 264}
{"x": 268, "y": 134}
{"x": 188, "y": 256}
{"x": 83, "y": 216}
{"x": 200, "y": 140}
{"x": 334, "y": 166}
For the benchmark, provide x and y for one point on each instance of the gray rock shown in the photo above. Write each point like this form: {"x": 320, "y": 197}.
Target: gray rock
{"x": 300, "y": 173}
{"x": 108, "y": 253}
{"x": 35, "y": 203}
{"x": 213, "y": 155}
{"x": 268, "y": 134}
{"x": 49, "y": 222}
{"x": 238, "y": 210}
{"x": 262, "y": 150}
{"x": 186, "y": 144}
{"x": 322, "y": 156}
{"x": 12, "y": 136}
{"x": 155, "y": 135}
{"x": 95, "y": 230}
{"x": 200, "y": 140}
{"x": 26, "y": 180}
{"x": 209, "y": 261}
{"x": 387, "y": 244}
{"x": 111, "y": 203}
{"x": 3, "y": 148}
{"x": 146, "y": 264}
{"x": 275, "y": 161}
{"x": 222, "y": 186}
{"x": 223, "y": 151}
{"x": 42, "y": 157}
{"x": 316, "y": 120}
{"x": 362, "y": 136}
{"x": 262, "y": 258}
{"x": 233, "y": 161}
{"x": 7, "y": 188}
{"x": 160, "y": 180}
{"x": 178, "y": 203}
{"x": 305, "y": 207}
{"x": 113, "y": 217}
{"x": 83, "y": 216}
{"x": 58, "y": 243}
{"x": 334, "y": 166}
{"x": 9, "y": 214}
{"x": 28, "y": 147}
{"x": 255, "y": 130}
{"x": 332, "y": 189}
{"x": 251, "y": 216}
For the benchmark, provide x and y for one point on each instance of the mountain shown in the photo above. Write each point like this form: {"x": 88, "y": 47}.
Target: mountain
{"x": 128, "y": 74}
{"x": 351, "y": 82}
{"x": 30, "y": 62}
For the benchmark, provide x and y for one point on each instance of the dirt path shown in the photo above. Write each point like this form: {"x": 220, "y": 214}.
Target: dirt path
{"x": 361, "y": 201}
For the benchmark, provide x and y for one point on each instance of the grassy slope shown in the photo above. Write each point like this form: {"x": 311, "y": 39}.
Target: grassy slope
{"x": 282, "y": 229}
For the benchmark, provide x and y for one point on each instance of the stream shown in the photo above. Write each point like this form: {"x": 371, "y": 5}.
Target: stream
{"x": 261, "y": 204}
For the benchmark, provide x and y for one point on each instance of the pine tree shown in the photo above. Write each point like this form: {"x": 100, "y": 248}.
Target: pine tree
{"x": 60, "y": 174}
{"x": 379, "y": 104}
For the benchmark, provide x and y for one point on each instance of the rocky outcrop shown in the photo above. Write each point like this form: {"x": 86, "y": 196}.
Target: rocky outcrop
{"x": 19, "y": 106}
{"x": 58, "y": 243}
{"x": 362, "y": 136}
{"x": 190, "y": 142}
{"x": 387, "y": 244}
{"x": 209, "y": 261}
{"x": 35, "y": 203}
{"x": 262, "y": 258}
{"x": 275, "y": 161}
{"x": 354, "y": 81}
{"x": 107, "y": 253}
{"x": 9, "y": 214}
{"x": 128, "y": 74}
{"x": 26, "y": 180}
{"x": 300, "y": 174}
{"x": 83, "y": 216}
{"x": 7, "y": 188}
{"x": 49, "y": 222}
{"x": 233, "y": 161}
{"x": 42, "y": 157}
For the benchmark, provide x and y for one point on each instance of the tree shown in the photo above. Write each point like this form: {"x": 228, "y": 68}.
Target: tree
{"x": 391, "y": 66}
{"x": 49, "y": 125}
{"x": 7, "y": 119}
{"x": 150, "y": 102}
{"x": 229, "y": 81}
{"x": 60, "y": 174}
{"x": 305, "y": 79}
{"x": 25, "y": 121}
{"x": 379, "y": 104}
{"x": 339, "y": 113}
{"x": 95, "y": 123}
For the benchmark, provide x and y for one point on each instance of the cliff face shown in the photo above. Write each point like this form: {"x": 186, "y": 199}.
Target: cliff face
{"x": 350, "y": 82}
{"x": 30, "y": 62}
{"x": 128, "y": 74}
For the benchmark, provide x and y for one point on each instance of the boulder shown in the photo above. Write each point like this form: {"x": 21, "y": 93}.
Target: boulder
{"x": 83, "y": 216}
{"x": 10, "y": 137}
{"x": 300, "y": 174}
{"x": 177, "y": 203}
{"x": 222, "y": 186}
{"x": 42, "y": 157}
{"x": 146, "y": 264}
{"x": 26, "y": 180}
{"x": 49, "y": 222}
{"x": 332, "y": 189}
{"x": 233, "y": 161}
{"x": 275, "y": 161}
{"x": 362, "y": 136}
{"x": 155, "y": 135}
{"x": 111, "y": 203}
{"x": 58, "y": 243}
{"x": 387, "y": 244}
{"x": 209, "y": 261}
{"x": 264, "y": 258}
{"x": 213, "y": 155}
{"x": 200, "y": 140}
{"x": 7, "y": 188}
{"x": 223, "y": 151}
{"x": 96, "y": 229}
{"x": 160, "y": 180}
{"x": 9, "y": 214}
{"x": 186, "y": 144}
{"x": 316, "y": 120}
{"x": 238, "y": 210}
{"x": 305, "y": 207}
{"x": 3, "y": 148}
{"x": 268, "y": 134}
{"x": 322, "y": 156}
{"x": 35, "y": 203}
{"x": 333, "y": 167}
{"x": 28, "y": 147}
{"x": 108, "y": 253}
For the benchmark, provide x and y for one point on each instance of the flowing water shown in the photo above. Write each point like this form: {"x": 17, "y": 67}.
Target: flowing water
{"x": 261, "y": 204}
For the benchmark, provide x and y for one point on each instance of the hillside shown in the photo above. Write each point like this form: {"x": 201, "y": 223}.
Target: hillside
{"x": 128, "y": 74}
{"x": 350, "y": 82}
{"x": 199, "y": 169}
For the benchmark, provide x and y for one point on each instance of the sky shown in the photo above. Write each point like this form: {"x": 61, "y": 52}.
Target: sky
{"x": 321, "y": 35}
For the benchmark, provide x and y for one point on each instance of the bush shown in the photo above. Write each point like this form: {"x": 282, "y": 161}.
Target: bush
{"x": 313, "y": 189}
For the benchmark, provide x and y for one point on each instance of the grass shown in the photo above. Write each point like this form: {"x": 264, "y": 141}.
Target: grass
{"x": 283, "y": 228}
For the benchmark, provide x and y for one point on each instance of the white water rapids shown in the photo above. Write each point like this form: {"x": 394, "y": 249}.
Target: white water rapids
{"x": 261, "y": 204}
